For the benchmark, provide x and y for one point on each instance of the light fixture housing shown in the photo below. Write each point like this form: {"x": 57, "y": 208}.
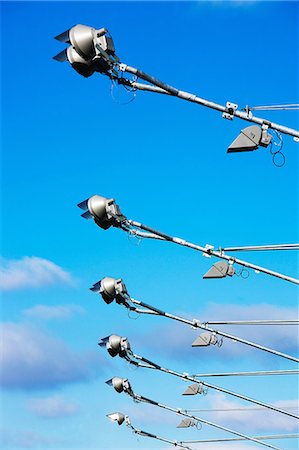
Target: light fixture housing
{"x": 186, "y": 423}
{"x": 250, "y": 139}
{"x": 220, "y": 269}
{"x": 204, "y": 339}
{"x": 117, "y": 417}
{"x": 116, "y": 345}
{"x": 193, "y": 389}
{"x": 89, "y": 50}
{"x": 102, "y": 210}
{"x": 110, "y": 289}
{"x": 120, "y": 384}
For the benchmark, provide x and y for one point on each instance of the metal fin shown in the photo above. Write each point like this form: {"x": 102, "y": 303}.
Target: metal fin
{"x": 61, "y": 57}
{"x": 84, "y": 204}
{"x": 104, "y": 341}
{"x": 96, "y": 287}
{"x": 64, "y": 37}
{"x": 87, "y": 215}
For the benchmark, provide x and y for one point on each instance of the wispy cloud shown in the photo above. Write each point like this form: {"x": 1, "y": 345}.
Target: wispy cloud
{"x": 53, "y": 312}
{"x": 30, "y": 271}
{"x": 52, "y": 407}
{"x": 31, "y": 359}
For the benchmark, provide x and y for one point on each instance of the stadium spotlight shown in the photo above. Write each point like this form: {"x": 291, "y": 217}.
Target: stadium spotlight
{"x": 90, "y": 51}
{"x": 118, "y": 418}
{"x": 250, "y": 139}
{"x": 116, "y": 345}
{"x": 102, "y": 210}
{"x": 220, "y": 269}
{"x": 120, "y": 384}
{"x": 110, "y": 289}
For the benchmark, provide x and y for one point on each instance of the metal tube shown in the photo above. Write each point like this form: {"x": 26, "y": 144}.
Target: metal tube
{"x": 211, "y": 252}
{"x": 253, "y": 322}
{"x": 206, "y": 422}
{"x": 217, "y": 388}
{"x": 272, "y": 436}
{"x": 261, "y": 248}
{"x": 249, "y": 374}
{"x": 197, "y": 324}
{"x": 247, "y": 116}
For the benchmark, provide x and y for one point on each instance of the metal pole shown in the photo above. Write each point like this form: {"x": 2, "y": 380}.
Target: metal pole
{"x": 194, "y": 379}
{"x": 250, "y": 248}
{"x": 211, "y": 252}
{"x": 197, "y": 324}
{"x": 195, "y": 99}
{"x": 253, "y": 322}
{"x": 272, "y": 436}
{"x": 248, "y": 374}
{"x": 206, "y": 422}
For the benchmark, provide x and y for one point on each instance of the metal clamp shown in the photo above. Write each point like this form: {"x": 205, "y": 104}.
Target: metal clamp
{"x": 230, "y": 109}
{"x": 122, "y": 67}
{"x": 210, "y": 249}
{"x": 266, "y": 137}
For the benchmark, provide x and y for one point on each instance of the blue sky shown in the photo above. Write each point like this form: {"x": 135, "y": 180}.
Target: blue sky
{"x": 165, "y": 162}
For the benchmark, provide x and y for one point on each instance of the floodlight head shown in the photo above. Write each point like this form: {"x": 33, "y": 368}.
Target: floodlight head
{"x": 83, "y": 67}
{"x": 205, "y": 339}
{"x": 220, "y": 269}
{"x": 120, "y": 384}
{"x": 186, "y": 423}
{"x": 250, "y": 139}
{"x": 116, "y": 345}
{"x": 118, "y": 417}
{"x": 84, "y": 54}
{"x": 193, "y": 389}
{"x": 110, "y": 289}
{"x": 102, "y": 210}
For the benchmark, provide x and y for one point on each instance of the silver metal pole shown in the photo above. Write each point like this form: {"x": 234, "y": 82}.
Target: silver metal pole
{"x": 211, "y": 252}
{"x": 248, "y": 374}
{"x": 282, "y": 247}
{"x": 194, "y": 379}
{"x": 253, "y": 322}
{"x": 197, "y": 324}
{"x": 272, "y": 436}
{"x": 195, "y": 99}
{"x": 206, "y": 422}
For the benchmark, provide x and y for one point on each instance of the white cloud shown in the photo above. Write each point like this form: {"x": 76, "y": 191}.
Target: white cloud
{"x": 52, "y": 407}
{"x": 31, "y": 359}
{"x": 30, "y": 272}
{"x": 53, "y": 312}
